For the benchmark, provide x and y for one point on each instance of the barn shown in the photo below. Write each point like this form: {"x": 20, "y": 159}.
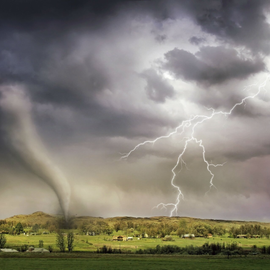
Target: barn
{"x": 120, "y": 238}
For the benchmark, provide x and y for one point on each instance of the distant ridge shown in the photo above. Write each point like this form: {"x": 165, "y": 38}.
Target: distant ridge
{"x": 38, "y": 217}
{"x": 42, "y": 218}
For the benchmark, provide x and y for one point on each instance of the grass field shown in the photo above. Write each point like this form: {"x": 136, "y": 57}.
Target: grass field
{"x": 92, "y": 243}
{"x": 63, "y": 261}
{"x": 84, "y": 257}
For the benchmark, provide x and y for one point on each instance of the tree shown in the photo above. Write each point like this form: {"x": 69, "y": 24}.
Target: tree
{"x": 117, "y": 226}
{"x": 60, "y": 241}
{"x": 18, "y": 228}
{"x": 181, "y": 231}
{"x": 3, "y": 240}
{"x": 83, "y": 227}
{"x": 40, "y": 245}
{"x": 109, "y": 230}
{"x": 35, "y": 228}
{"x": 52, "y": 228}
{"x": 4, "y": 227}
{"x": 219, "y": 230}
{"x": 70, "y": 241}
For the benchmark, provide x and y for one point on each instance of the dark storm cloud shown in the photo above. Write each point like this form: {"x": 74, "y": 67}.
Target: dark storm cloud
{"x": 31, "y": 14}
{"x": 157, "y": 88}
{"x": 52, "y": 77}
{"x": 211, "y": 65}
{"x": 238, "y": 22}
{"x": 196, "y": 40}
{"x": 29, "y": 29}
{"x": 241, "y": 22}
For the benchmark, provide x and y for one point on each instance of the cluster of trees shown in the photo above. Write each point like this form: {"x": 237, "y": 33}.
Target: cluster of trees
{"x": 162, "y": 229}
{"x": 13, "y": 227}
{"x": 250, "y": 230}
{"x": 63, "y": 243}
{"x": 10, "y": 229}
{"x": 106, "y": 249}
{"x": 209, "y": 249}
{"x": 96, "y": 227}
{"x": 203, "y": 230}
{"x": 143, "y": 227}
{"x": 153, "y": 229}
{"x": 18, "y": 228}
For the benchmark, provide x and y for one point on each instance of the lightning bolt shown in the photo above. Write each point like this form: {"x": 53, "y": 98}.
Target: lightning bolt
{"x": 193, "y": 123}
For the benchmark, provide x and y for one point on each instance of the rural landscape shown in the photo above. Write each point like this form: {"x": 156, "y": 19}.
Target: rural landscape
{"x": 134, "y": 134}
{"x": 127, "y": 239}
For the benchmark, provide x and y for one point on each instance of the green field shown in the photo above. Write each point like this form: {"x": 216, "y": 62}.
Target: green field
{"x": 133, "y": 262}
{"x": 92, "y": 243}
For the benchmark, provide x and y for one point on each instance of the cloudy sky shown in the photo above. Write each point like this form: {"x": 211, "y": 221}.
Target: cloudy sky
{"x": 83, "y": 82}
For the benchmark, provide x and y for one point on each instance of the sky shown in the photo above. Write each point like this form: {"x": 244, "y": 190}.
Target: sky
{"x": 84, "y": 82}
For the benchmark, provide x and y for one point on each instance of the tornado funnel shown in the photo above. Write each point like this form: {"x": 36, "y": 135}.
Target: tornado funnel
{"x": 25, "y": 144}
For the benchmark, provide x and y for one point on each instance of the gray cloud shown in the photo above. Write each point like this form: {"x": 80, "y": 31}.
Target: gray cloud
{"x": 240, "y": 23}
{"x": 196, "y": 40}
{"x": 157, "y": 88}
{"x": 211, "y": 65}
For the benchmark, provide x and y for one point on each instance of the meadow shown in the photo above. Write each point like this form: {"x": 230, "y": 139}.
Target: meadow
{"x": 112, "y": 261}
{"x": 86, "y": 243}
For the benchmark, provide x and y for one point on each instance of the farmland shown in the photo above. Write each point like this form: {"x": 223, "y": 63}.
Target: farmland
{"x": 92, "y": 243}
{"x": 92, "y": 234}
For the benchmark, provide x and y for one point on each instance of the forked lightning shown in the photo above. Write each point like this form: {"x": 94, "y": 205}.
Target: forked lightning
{"x": 192, "y": 123}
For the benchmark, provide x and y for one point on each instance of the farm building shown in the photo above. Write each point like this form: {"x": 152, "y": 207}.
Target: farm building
{"x": 188, "y": 235}
{"x": 241, "y": 236}
{"x": 120, "y": 238}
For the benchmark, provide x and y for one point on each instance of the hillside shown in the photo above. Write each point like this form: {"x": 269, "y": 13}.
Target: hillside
{"x": 44, "y": 218}
{"x": 32, "y": 219}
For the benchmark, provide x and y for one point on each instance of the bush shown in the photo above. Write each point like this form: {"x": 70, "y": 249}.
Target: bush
{"x": 3, "y": 240}
{"x": 23, "y": 248}
{"x": 40, "y": 245}
{"x": 106, "y": 249}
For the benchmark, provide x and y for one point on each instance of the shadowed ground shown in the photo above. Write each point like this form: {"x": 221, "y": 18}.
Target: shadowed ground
{"x": 91, "y": 261}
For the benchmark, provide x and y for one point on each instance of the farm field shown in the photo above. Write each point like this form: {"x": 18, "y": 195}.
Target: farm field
{"x": 92, "y": 243}
{"x": 134, "y": 262}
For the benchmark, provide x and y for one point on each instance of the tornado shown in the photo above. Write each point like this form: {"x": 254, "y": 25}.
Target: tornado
{"x": 26, "y": 145}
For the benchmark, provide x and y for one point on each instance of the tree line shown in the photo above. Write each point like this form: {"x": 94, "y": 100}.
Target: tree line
{"x": 249, "y": 230}
{"x": 143, "y": 229}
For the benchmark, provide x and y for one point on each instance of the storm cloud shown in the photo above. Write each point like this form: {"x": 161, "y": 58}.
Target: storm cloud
{"x": 93, "y": 79}
{"x": 158, "y": 89}
{"x": 211, "y": 65}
